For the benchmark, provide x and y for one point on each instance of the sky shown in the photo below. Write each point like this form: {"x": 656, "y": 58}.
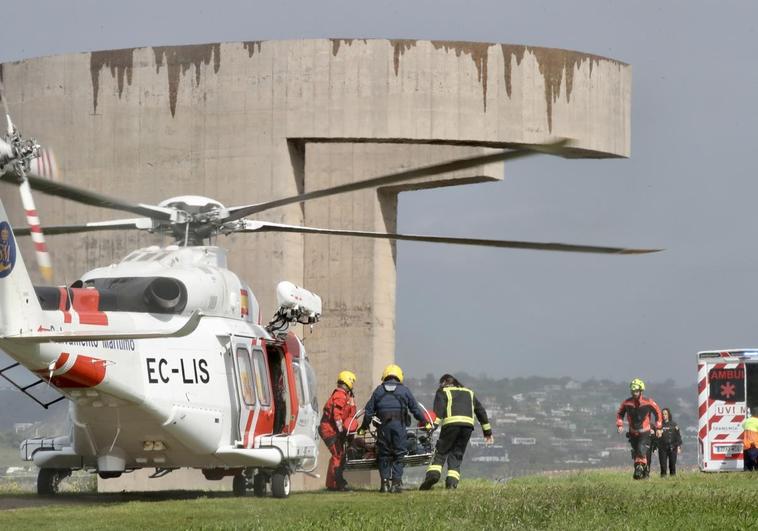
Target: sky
{"x": 689, "y": 186}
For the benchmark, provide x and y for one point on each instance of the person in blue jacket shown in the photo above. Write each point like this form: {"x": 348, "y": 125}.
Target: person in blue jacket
{"x": 391, "y": 402}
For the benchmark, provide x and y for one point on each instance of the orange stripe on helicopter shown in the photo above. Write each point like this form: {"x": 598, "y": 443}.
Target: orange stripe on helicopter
{"x": 86, "y": 302}
{"x": 85, "y": 372}
{"x": 246, "y": 440}
{"x": 63, "y": 305}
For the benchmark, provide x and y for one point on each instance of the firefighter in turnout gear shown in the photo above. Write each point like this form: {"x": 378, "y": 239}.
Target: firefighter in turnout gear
{"x": 338, "y": 411}
{"x": 638, "y": 410}
{"x": 455, "y": 407}
{"x": 391, "y": 402}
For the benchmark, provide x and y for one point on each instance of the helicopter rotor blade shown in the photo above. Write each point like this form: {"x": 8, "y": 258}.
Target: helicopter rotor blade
{"x": 116, "y": 224}
{"x": 87, "y": 197}
{"x": 265, "y": 226}
{"x": 32, "y": 219}
{"x": 240, "y": 212}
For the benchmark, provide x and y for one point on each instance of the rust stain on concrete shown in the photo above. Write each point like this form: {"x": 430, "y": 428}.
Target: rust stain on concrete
{"x": 336, "y": 43}
{"x": 400, "y": 46}
{"x": 478, "y": 53}
{"x": 179, "y": 59}
{"x": 508, "y": 51}
{"x": 554, "y": 65}
{"x": 120, "y": 63}
{"x": 250, "y": 46}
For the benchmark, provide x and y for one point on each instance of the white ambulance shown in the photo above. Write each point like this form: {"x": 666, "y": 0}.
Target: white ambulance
{"x": 727, "y": 386}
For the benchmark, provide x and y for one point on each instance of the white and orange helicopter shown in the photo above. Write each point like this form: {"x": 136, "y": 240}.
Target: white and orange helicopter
{"x": 162, "y": 356}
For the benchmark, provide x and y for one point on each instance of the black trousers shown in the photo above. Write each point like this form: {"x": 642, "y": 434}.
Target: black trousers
{"x": 750, "y": 459}
{"x": 667, "y": 457}
{"x": 450, "y": 448}
{"x": 640, "y": 446}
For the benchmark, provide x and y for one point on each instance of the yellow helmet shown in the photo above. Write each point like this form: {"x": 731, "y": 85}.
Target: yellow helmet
{"x": 348, "y": 378}
{"x": 637, "y": 385}
{"x": 392, "y": 370}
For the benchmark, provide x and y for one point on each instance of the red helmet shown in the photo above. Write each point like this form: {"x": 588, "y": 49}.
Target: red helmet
{"x": 430, "y": 418}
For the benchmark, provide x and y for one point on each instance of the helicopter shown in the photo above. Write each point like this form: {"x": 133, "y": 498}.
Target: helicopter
{"x": 163, "y": 356}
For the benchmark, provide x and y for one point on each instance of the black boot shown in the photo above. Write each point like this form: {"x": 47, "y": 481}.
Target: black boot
{"x": 451, "y": 483}
{"x": 397, "y": 486}
{"x": 385, "y": 486}
{"x": 639, "y": 471}
{"x": 429, "y": 481}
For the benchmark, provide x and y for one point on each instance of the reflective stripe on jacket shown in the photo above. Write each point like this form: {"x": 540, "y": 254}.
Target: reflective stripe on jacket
{"x": 458, "y": 406}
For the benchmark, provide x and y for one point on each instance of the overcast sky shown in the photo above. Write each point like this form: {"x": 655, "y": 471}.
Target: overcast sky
{"x": 690, "y": 185}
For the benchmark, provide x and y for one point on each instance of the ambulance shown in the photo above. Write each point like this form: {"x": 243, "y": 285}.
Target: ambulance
{"x": 727, "y": 385}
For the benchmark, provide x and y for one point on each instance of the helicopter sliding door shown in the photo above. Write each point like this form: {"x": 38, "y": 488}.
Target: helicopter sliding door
{"x": 283, "y": 384}
{"x": 264, "y": 421}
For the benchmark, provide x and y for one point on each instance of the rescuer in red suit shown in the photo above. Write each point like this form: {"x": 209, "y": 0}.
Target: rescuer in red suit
{"x": 639, "y": 410}
{"x": 338, "y": 411}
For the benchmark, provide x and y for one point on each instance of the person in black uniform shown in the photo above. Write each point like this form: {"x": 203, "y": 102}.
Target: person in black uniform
{"x": 455, "y": 407}
{"x": 669, "y": 443}
{"x": 390, "y": 402}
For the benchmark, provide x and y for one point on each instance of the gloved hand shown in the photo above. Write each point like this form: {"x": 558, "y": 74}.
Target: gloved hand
{"x": 361, "y": 432}
{"x": 429, "y": 426}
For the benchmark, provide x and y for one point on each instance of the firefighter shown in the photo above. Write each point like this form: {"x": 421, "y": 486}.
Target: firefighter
{"x": 338, "y": 411}
{"x": 750, "y": 441}
{"x": 390, "y": 403}
{"x": 638, "y": 410}
{"x": 455, "y": 407}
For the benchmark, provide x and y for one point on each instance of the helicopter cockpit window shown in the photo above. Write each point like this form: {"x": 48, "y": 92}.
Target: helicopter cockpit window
{"x": 140, "y": 294}
{"x": 298, "y": 383}
{"x": 246, "y": 376}
{"x": 261, "y": 378}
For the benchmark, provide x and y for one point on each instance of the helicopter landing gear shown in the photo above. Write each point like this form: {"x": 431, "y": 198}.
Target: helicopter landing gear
{"x": 239, "y": 484}
{"x": 259, "y": 484}
{"x": 280, "y": 484}
{"x": 48, "y": 480}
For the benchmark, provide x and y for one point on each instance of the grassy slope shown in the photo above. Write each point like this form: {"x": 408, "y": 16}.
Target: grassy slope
{"x": 593, "y": 500}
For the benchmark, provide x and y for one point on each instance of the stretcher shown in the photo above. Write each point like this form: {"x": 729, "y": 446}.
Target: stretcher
{"x": 361, "y": 451}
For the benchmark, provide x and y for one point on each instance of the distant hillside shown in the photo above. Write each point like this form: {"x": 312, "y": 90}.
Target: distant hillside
{"x": 545, "y": 424}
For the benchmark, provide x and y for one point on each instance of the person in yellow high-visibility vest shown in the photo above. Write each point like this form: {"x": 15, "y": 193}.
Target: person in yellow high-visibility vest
{"x": 455, "y": 407}
{"x": 750, "y": 441}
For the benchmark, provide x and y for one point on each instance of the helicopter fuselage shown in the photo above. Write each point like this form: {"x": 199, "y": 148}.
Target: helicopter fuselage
{"x": 168, "y": 366}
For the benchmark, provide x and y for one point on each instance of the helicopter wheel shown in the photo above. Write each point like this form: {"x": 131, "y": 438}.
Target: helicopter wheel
{"x": 280, "y": 485}
{"x": 239, "y": 484}
{"x": 259, "y": 484}
{"x": 48, "y": 480}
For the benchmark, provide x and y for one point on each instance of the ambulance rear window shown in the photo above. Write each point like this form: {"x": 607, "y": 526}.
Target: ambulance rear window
{"x": 727, "y": 384}
{"x": 751, "y": 370}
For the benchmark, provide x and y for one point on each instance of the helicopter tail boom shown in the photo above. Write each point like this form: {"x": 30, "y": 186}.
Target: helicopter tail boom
{"x": 20, "y": 311}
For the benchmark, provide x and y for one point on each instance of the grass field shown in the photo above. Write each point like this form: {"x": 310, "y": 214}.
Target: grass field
{"x": 591, "y": 500}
